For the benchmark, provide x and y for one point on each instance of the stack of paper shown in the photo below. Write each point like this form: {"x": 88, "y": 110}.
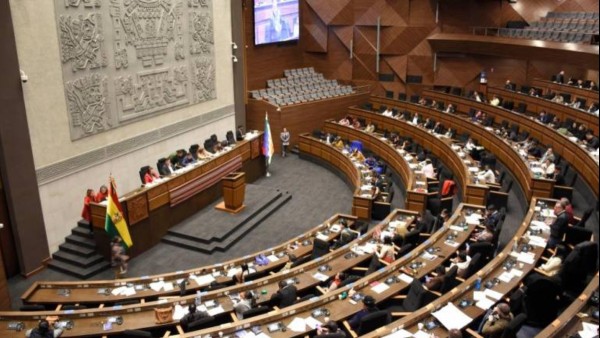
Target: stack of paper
{"x": 589, "y": 330}
{"x": 380, "y": 287}
{"x": 297, "y": 325}
{"x": 157, "y": 286}
{"x": 526, "y": 257}
{"x": 320, "y": 277}
{"x": 399, "y": 334}
{"x": 203, "y": 280}
{"x": 452, "y": 317}
{"x": 405, "y": 278}
{"x": 537, "y": 241}
{"x": 312, "y": 322}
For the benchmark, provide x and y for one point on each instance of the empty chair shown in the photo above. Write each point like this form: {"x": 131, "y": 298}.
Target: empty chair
{"x": 417, "y": 297}
{"x": 473, "y": 267}
{"x": 137, "y": 333}
{"x": 576, "y": 235}
{"x": 257, "y": 311}
{"x": 584, "y": 218}
{"x": 450, "y": 280}
{"x": 540, "y": 301}
{"x": 320, "y": 248}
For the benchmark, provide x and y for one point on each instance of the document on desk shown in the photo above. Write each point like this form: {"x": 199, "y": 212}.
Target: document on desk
{"x": 380, "y": 287}
{"x": 312, "y": 322}
{"x": 457, "y": 228}
{"x": 472, "y": 220}
{"x": 128, "y": 291}
{"x": 537, "y": 241}
{"x": 215, "y": 310}
{"x": 204, "y": 280}
{"x": 320, "y": 277}
{"x": 589, "y": 330}
{"x": 485, "y": 303}
{"x": 297, "y": 325}
{"x": 526, "y": 257}
{"x": 452, "y": 317}
{"x": 405, "y": 278}
{"x": 168, "y": 286}
{"x": 118, "y": 291}
{"x": 179, "y": 312}
{"x": 399, "y": 334}
{"x": 506, "y": 277}
{"x": 493, "y": 294}
{"x": 156, "y": 286}
{"x": 478, "y": 295}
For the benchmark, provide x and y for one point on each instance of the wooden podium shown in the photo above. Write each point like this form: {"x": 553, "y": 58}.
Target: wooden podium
{"x": 234, "y": 189}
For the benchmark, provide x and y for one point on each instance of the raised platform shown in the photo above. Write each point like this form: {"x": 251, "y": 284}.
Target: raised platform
{"x": 213, "y": 230}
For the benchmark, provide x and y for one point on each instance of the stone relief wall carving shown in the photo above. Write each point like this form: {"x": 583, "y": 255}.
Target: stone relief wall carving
{"x": 134, "y": 58}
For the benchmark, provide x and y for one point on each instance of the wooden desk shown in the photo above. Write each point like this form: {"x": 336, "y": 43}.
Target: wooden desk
{"x": 337, "y": 161}
{"x": 465, "y": 290}
{"x": 141, "y": 316}
{"x": 87, "y": 292}
{"x": 341, "y": 309}
{"x": 537, "y": 104}
{"x": 503, "y": 151}
{"x": 568, "y": 323}
{"x": 472, "y": 192}
{"x": 151, "y": 211}
{"x": 590, "y": 96}
{"x": 572, "y": 152}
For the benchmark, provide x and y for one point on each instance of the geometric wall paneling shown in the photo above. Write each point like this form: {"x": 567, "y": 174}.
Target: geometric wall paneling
{"x": 398, "y": 65}
{"x": 421, "y": 65}
{"x": 128, "y": 59}
{"x": 315, "y": 37}
{"x": 367, "y": 11}
{"x": 333, "y": 12}
{"x": 423, "y": 48}
{"x": 456, "y": 71}
{"x": 344, "y": 34}
{"x": 470, "y": 13}
{"x": 364, "y": 60}
{"x": 422, "y": 13}
{"x": 401, "y": 40}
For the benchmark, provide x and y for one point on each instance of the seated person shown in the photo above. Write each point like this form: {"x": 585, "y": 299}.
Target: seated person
{"x": 461, "y": 261}
{"x": 422, "y": 101}
{"x": 356, "y": 124}
{"x": 434, "y": 104}
{"x": 450, "y": 108}
{"x": 548, "y": 155}
{"x": 218, "y": 148}
{"x": 388, "y": 112}
{"x": 192, "y": 316}
{"x": 329, "y": 329}
{"x": 450, "y": 133}
{"x": 508, "y": 85}
{"x": 593, "y": 108}
{"x": 428, "y": 169}
{"x": 246, "y": 302}
{"x": 386, "y": 250}
{"x": 285, "y": 296}
{"x": 345, "y": 121}
{"x": 548, "y": 168}
{"x": 357, "y": 155}
{"x": 240, "y": 276}
{"x": 150, "y": 175}
{"x": 558, "y": 227}
{"x": 496, "y": 321}
{"x": 533, "y": 92}
{"x": 495, "y": 101}
{"x": 337, "y": 280}
{"x": 555, "y": 123}
{"x": 487, "y": 175}
{"x": 368, "y": 307}
{"x": 592, "y": 141}
{"x": 188, "y": 160}
{"x": 592, "y": 86}
{"x": 435, "y": 283}
{"x": 559, "y": 99}
{"x": 203, "y": 154}
{"x": 543, "y": 117}
{"x": 239, "y": 133}
{"x": 557, "y": 176}
{"x": 416, "y": 119}
{"x": 102, "y": 194}
{"x": 43, "y": 330}
{"x": 179, "y": 156}
{"x": 487, "y": 235}
{"x": 347, "y": 235}
{"x": 475, "y": 96}
{"x": 428, "y": 124}
{"x": 574, "y": 104}
{"x": 167, "y": 168}
{"x": 338, "y": 143}
{"x": 554, "y": 263}
{"x": 370, "y": 128}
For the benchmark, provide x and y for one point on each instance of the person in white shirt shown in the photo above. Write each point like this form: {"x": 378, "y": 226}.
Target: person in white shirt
{"x": 487, "y": 175}
{"x": 495, "y": 101}
{"x": 387, "y": 112}
{"x": 450, "y": 109}
{"x": 370, "y": 128}
{"x": 416, "y": 119}
{"x": 462, "y": 261}
{"x": 428, "y": 169}
{"x": 470, "y": 145}
{"x": 548, "y": 167}
{"x": 548, "y": 155}
{"x": 554, "y": 263}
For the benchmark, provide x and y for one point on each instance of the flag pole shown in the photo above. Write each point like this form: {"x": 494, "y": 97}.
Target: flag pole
{"x": 268, "y": 174}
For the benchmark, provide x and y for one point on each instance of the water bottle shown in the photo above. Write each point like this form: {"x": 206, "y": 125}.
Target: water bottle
{"x": 478, "y": 284}
{"x": 198, "y": 300}
{"x": 515, "y": 246}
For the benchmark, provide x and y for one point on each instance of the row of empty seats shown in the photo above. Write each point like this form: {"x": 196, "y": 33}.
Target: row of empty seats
{"x": 579, "y": 25}
{"x": 548, "y": 35}
{"x": 299, "y": 72}
{"x": 572, "y": 15}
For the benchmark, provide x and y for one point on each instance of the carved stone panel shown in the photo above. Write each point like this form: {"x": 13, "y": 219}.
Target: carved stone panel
{"x": 141, "y": 57}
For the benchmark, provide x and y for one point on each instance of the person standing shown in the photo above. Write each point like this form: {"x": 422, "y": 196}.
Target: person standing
{"x": 86, "y": 212}
{"x": 285, "y": 141}
{"x": 118, "y": 256}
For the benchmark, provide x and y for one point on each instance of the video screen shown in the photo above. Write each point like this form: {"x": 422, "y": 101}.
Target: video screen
{"x": 276, "y": 21}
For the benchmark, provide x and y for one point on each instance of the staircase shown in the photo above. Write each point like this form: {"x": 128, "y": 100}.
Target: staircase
{"x": 77, "y": 256}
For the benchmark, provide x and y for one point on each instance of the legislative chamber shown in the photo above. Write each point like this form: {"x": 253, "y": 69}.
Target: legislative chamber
{"x": 299, "y": 168}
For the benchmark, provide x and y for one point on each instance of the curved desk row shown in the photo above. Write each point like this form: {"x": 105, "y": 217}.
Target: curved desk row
{"x": 362, "y": 204}
{"x": 150, "y": 211}
{"x": 537, "y": 104}
{"x": 504, "y": 152}
{"x": 590, "y": 96}
{"x": 141, "y": 316}
{"x": 97, "y": 292}
{"x": 572, "y": 318}
{"x": 572, "y": 152}
{"x": 473, "y": 193}
{"x": 504, "y": 273}
{"x": 396, "y": 277}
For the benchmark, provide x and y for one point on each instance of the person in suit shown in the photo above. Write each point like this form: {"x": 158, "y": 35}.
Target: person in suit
{"x": 368, "y": 307}
{"x": 438, "y": 128}
{"x": 429, "y": 124}
{"x": 508, "y": 85}
{"x": 548, "y": 155}
{"x": 558, "y": 227}
{"x": 487, "y": 235}
{"x": 543, "y": 117}
{"x": 557, "y": 176}
{"x": 167, "y": 168}
{"x": 285, "y": 296}
{"x": 192, "y": 316}
{"x": 435, "y": 283}
{"x": 329, "y": 329}
{"x": 43, "y": 330}
{"x": 492, "y": 216}
{"x": 560, "y": 77}
{"x": 240, "y": 276}
{"x": 246, "y": 302}
{"x": 239, "y": 133}
{"x": 568, "y": 209}
{"x": 285, "y": 141}
{"x": 592, "y": 141}
{"x": 497, "y": 321}
{"x": 450, "y": 108}
{"x": 188, "y": 160}
{"x": 118, "y": 257}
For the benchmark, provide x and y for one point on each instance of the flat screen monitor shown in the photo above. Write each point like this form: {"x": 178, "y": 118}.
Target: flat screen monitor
{"x": 276, "y": 21}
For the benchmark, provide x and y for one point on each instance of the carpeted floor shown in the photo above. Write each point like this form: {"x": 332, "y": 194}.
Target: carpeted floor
{"x": 317, "y": 195}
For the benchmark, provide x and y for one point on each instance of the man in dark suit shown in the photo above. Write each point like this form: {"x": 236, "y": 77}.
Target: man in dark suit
{"x": 192, "y": 316}
{"x": 592, "y": 141}
{"x": 558, "y": 177}
{"x": 559, "y": 226}
{"x": 560, "y": 77}
{"x": 368, "y": 307}
{"x": 239, "y": 133}
{"x": 492, "y": 217}
{"x": 285, "y": 296}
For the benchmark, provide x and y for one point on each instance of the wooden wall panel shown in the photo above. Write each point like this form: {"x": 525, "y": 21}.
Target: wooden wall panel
{"x": 329, "y": 26}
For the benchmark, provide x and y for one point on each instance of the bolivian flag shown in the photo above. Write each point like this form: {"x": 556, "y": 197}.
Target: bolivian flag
{"x": 267, "y": 148}
{"x": 115, "y": 224}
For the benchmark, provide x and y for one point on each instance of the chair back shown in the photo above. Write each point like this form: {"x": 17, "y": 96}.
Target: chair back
{"x": 415, "y": 297}
{"x": 584, "y": 218}
{"x": 449, "y": 281}
{"x": 320, "y": 247}
{"x": 474, "y": 265}
{"x": 257, "y": 311}
{"x": 200, "y": 324}
{"x": 373, "y": 321}
{"x": 143, "y": 171}
{"x": 577, "y": 234}
{"x": 514, "y": 326}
